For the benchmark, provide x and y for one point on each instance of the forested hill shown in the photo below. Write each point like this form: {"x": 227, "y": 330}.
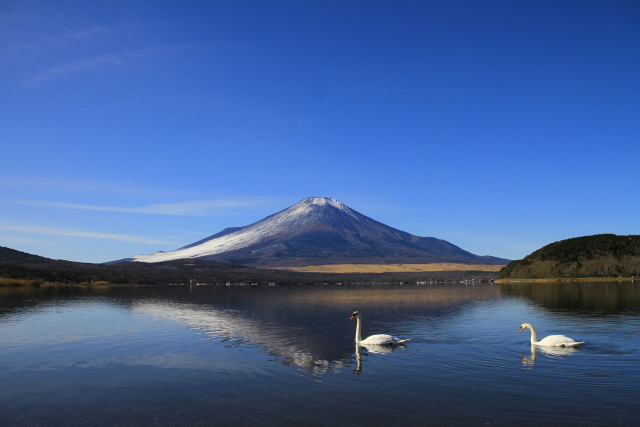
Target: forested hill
{"x": 602, "y": 255}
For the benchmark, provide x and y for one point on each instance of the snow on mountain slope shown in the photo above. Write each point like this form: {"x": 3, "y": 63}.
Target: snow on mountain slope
{"x": 286, "y": 221}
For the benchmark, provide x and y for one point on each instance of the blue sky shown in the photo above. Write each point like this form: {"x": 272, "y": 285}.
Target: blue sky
{"x": 128, "y": 127}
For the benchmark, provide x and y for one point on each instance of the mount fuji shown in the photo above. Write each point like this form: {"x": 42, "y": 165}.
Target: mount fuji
{"x": 316, "y": 231}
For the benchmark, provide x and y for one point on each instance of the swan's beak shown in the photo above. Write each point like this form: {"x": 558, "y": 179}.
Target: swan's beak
{"x": 352, "y": 317}
{"x": 521, "y": 329}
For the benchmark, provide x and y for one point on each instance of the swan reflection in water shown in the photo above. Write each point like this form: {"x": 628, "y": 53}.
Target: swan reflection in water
{"x": 552, "y": 352}
{"x": 374, "y": 349}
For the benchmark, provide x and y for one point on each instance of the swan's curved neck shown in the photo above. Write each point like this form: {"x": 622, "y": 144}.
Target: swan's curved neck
{"x": 358, "y": 336}
{"x": 534, "y": 339}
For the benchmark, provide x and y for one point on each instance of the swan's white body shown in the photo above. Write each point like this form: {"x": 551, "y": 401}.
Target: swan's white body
{"x": 379, "y": 339}
{"x": 551, "y": 340}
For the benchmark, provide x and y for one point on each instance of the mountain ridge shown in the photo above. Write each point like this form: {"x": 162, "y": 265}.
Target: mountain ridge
{"x": 318, "y": 230}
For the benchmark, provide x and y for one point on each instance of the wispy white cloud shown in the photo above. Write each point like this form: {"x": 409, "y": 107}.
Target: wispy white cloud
{"x": 67, "y": 232}
{"x": 189, "y": 208}
{"x": 136, "y": 59}
{"x": 88, "y": 34}
{"x": 31, "y": 183}
{"x": 73, "y": 67}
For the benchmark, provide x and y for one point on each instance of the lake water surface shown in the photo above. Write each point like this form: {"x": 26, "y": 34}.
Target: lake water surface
{"x": 261, "y": 355}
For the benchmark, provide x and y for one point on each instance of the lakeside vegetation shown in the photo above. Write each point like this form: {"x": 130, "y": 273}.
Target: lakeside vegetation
{"x": 39, "y": 282}
{"x": 599, "y": 256}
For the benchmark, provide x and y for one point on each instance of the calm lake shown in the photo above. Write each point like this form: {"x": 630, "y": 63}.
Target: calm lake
{"x": 265, "y": 356}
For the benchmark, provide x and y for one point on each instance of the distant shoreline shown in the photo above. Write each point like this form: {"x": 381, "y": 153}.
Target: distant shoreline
{"x": 569, "y": 279}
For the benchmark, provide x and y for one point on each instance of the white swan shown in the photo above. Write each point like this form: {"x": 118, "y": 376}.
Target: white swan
{"x": 551, "y": 340}
{"x": 380, "y": 339}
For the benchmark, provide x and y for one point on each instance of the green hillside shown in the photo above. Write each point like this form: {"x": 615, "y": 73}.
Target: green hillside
{"x": 602, "y": 255}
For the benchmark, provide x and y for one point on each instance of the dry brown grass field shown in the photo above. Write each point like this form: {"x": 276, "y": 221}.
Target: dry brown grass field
{"x": 392, "y": 268}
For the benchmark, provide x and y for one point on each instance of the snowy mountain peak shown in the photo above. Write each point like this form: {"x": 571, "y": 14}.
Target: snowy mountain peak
{"x": 312, "y": 206}
{"x": 323, "y": 201}
{"x": 320, "y": 201}
{"x": 308, "y": 211}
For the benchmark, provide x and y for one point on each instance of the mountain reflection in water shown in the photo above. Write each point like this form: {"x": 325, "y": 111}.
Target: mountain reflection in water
{"x": 233, "y": 327}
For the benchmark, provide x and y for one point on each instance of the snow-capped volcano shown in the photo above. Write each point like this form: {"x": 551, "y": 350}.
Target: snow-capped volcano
{"x": 318, "y": 230}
